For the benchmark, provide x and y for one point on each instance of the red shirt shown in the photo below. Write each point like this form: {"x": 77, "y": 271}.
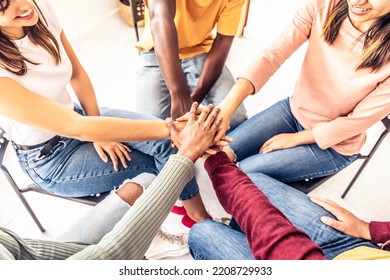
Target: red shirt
{"x": 270, "y": 234}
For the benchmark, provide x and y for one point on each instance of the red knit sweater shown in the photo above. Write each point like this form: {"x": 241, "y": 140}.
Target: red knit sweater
{"x": 270, "y": 234}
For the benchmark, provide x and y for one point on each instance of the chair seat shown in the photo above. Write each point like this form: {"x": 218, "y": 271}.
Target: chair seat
{"x": 308, "y": 185}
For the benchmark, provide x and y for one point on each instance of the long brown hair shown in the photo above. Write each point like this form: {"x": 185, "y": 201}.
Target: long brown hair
{"x": 376, "y": 46}
{"x": 13, "y": 60}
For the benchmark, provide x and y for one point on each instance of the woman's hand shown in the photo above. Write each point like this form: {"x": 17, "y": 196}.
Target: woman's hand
{"x": 287, "y": 140}
{"x": 199, "y": 132}
{"x": 115, "y": 150}
{"x": 346, "y": 222}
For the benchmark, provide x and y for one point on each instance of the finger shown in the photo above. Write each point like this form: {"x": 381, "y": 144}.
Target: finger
{"x": 114, "y": 159}
{"x": 125, "y": 151}
{"x": 219, "y": 135}
{"x": 169, "y": 122}
{"x": 102, "y": 154}
{"x": 264, "y": 146}
{"x": 327, "y": 206}
{"x": 214, "y": 120}
{"x": 216, "y": 124}
{"x": 332, "y": 223}
{"x": 210, "y": 151}
{"x": 205, "y": 112}
{"x": 325, "y": 200}
{"x": 227, "y": 139}
{"x": 122, "y": 155}
{"x": 192, "y": 115}
{"x": 183, "y": 118}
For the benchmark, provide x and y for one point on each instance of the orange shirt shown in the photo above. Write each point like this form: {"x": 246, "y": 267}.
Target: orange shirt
{"x": 195, "y": 21}
{"x": 330, "y": 97}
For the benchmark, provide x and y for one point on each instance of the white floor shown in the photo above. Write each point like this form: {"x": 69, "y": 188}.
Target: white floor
{"x": 106, "y": 51}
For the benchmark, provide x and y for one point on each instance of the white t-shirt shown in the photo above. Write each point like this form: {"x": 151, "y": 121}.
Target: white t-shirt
{"x": 46, "y": 79}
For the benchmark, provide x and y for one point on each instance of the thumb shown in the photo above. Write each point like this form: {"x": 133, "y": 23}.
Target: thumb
{"x": 169, "y": 122}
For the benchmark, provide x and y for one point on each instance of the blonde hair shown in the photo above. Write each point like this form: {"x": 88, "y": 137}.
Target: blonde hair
{"x": 376, "y": 46}
{"x": 13, "y": 60}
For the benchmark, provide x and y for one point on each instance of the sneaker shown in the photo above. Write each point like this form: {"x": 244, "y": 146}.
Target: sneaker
{"x": 166, "y": 245}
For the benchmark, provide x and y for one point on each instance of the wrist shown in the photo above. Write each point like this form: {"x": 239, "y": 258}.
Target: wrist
{"x": 365, "y": 231}
{"x": 188, "y": 153}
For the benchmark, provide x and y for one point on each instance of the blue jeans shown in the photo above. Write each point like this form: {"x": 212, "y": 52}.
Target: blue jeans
{"x": 287, "y": 165}
{"x": 74, "y": 168}
{"x": 153, "y": 96}
{"x": 214, "y": 240}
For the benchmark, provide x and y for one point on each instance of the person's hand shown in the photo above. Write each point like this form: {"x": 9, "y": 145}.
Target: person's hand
{"x": 279, "y": 142}
{"x": 198, "y": 134}
{"x": 346, "y": 222}
{"x": 180, "y": 105}
{"x": 115, "y": 150}
{"x": 287, "y": 140}
{"x": 186, "y": 116}
{"x": 225, "y": 126}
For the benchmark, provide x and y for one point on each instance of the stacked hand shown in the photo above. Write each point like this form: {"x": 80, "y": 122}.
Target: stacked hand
{"x": 198, "y": 135}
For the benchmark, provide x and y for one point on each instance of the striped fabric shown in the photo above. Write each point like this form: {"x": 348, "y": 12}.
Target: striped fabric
{"x": 129, "y": 239}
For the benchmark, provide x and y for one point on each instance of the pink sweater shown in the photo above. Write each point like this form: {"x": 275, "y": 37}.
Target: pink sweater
{"x": 330, "y": 97}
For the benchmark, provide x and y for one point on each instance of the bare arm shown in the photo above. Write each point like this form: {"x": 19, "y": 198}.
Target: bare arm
{"x": 80, "y": 81}
{"x": 213, "y": 66}
{"x": 25, "y": 106}
{"x": 166, "y": 47}
{"x": 85, "y": 93}
{"x": 240, "y": 90}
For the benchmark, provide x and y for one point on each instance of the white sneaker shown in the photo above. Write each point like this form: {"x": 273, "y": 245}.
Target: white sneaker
{"x": 166, "y": 245}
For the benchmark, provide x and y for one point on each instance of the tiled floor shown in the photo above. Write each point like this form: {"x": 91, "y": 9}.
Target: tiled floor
{"x": 110, "y": 61}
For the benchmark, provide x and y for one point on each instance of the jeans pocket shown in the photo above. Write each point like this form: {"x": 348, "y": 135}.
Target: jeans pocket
{"x": 149, "y": 59}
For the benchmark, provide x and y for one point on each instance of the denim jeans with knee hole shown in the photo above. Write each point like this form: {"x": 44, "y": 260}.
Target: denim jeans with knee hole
{"x": 153, "y": 96}
{"x": 294, "y": 164}
{"x": 214, "y": 240}
{"x": 74, "y": 168}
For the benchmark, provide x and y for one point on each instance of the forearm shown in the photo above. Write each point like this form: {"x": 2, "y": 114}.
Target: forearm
{"x": 270, "y": 234}
{"x": 85, "y": 93}
{"x": 73, "y": 125}
{"x": 304, "y": 137}
{"x": 212, "y": 67}
{"x": 240, "y": 90}
{"x": 132, "y": 236}
{"x": 166, "y": 45}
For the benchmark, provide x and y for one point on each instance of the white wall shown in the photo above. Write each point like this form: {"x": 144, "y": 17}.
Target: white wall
{"x": 77, "y": 16}
{"x": 266, "y": 18}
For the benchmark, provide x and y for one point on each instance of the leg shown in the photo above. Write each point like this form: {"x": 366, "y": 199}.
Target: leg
{"x": 282, "y": 164}
{"x": 210, "y": 240}
{"x": 306, "y": 215}
{"x": 102, "y": 218}
{"x": 152, "y": 95}
{"x": 192, "y": 68}
{"x": 252, "y": 133}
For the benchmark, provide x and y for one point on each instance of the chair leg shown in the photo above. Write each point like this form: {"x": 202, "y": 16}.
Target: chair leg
{"x": 355, "y": 177}
{"x": 367, "y": 159}
{"x": 23, "y": 200}
{"x": 30, "y": 211}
